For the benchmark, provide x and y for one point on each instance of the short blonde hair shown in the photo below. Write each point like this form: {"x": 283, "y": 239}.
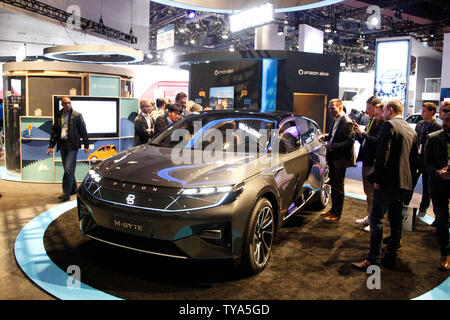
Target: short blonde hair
{"x": 339, "y": 102}
{"x": 152, "y": 103}
{"x": 196, "y": 108}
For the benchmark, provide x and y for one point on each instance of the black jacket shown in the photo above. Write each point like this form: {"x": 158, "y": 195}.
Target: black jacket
{"x": 161, "y": 123}
{"x": 423, "y": 137}
{"x": 436, "y": 158}
{"x": 368, "y": 149}
{"x": 396, "y": 159}
{"x": 141, "y": 135}
{"x": 75, "y": 132}
{"x": 341, "y": 151}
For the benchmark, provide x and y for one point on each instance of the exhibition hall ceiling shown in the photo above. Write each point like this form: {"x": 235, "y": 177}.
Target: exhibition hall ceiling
{"x": 344, "y": 24}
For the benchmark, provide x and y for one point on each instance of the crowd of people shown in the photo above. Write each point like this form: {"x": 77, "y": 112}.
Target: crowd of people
{"x": 155, "y": 117}
{"x": 393, "y": 157}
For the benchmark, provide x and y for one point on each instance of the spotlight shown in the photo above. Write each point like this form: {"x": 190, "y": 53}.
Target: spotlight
{"x": 197, "y": 26}
{"x": 328, "y": 30}
{"x": 225, "y": 36}
{"x": 191, "y": 14}
{"x": 231, "y": 49}
{"x": 366, "y": 47}
{"x": 182, "y": 30}
{"x": 330, "y": 41}
{"x": 192, "y": 41}
{"x": 150, "y": 56}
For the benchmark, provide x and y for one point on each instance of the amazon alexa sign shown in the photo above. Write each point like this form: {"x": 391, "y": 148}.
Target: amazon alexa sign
{"x": 392, "y": 71}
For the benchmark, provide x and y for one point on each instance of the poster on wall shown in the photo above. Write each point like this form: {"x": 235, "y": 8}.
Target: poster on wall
{"x": 392, "y": 70}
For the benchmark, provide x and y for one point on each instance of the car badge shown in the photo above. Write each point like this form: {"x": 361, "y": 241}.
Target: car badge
{"x": 130, "y": 198}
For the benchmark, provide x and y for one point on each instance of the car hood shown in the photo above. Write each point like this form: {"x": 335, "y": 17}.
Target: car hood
{"x": 151, "y": 165}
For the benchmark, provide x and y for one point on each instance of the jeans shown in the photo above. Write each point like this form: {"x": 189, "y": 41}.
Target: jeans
{"x": 385, "y": 200}
{"x": 69, "y": 159}
{"x": 440, "y": 208}
{"x": 425, "y": 202}
{"x": 368, "y": 187}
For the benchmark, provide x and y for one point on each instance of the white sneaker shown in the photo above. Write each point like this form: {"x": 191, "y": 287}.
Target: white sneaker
{"x": 363, "y": 221}
{"x": 367, "y": 228}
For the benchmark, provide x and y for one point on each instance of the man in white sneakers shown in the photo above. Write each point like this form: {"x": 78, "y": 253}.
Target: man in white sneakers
{"x": 367, "y": 151}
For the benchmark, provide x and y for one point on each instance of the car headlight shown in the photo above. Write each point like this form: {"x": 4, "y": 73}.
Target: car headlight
{"x": 206, "y": 190}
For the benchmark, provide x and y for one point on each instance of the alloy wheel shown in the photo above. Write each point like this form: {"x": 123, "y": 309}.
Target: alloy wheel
{"x": 263, "y": 236}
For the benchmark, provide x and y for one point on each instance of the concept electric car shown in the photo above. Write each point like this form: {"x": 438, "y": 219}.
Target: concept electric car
{"x": 214, "y": 185}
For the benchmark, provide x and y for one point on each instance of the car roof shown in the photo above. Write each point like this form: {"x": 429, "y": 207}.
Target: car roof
{"x": 276, "y": 115}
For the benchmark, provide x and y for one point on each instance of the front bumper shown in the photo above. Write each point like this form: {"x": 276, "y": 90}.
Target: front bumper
{"x": 211, "y": 233}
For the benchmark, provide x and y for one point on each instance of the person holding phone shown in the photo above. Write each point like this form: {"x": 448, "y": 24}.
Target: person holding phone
{"x": 437, "y": 162}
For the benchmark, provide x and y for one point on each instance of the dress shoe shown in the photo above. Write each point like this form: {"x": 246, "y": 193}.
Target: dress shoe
{"x": 64, "y": 197}
{"x": 326, "y": 214}
{"x": 363, "y": 221}
{"x": 332, "y": 218}
{"x": 363, "y": 265}
{"x": 445, "y": 263}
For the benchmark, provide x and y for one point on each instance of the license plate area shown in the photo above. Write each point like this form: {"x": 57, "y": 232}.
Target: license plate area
{"x": 131, "y": 226}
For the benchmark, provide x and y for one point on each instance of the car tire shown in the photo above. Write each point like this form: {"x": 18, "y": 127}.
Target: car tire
{"x": 323, "y": 195}
{"x": 258, "y": 237}
{"x": 94, "y": 159}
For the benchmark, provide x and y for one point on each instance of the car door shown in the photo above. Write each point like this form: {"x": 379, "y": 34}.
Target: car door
{"x": 292, "y": 158}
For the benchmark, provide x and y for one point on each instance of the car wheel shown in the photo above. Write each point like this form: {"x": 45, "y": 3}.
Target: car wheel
{"x": 323, "y": 195}
{"x": 259, "y": 236}
{"x": 94, "y": 159}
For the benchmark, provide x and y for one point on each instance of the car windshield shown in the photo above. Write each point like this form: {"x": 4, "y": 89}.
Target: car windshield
{"x": 235, "y": 133}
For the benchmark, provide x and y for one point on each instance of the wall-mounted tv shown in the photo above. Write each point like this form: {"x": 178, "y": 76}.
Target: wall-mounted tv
{"x": 219, "y": 95}
{"x": 101, "y": 115}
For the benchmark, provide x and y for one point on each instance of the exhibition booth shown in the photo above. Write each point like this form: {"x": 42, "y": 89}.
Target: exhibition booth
{"x": 264, "y": 81}
{"x": 33, "y": 91}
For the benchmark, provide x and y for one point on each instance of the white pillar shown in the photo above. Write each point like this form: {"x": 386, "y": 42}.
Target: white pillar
{"x": 310, "y": 39}
{"x": 267, "y": 38}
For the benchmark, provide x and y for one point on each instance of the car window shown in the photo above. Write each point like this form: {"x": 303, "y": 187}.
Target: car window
{"x": 289, "y": 137}
{"x": 307, "y": 130}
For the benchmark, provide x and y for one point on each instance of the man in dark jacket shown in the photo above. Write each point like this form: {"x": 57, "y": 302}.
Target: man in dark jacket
{"x": 340, "y": 156}
{"x": 437, "y": 162}
{"x": 143, "y": 123}
{"x": 396, "y": 160}
{"x": 368, "y": 141}
{"x": 423, "y": 129}
{"x": 173, "y": 115}
{"x": 67, "y": 130}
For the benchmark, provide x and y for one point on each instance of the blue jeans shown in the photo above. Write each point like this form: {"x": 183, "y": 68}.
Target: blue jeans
{"x": 391, "y": 201}
{"x": 69, "y": 159}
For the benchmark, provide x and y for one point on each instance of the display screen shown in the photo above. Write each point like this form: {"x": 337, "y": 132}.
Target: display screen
{"x": 221, "y": 97}
{"x": 99, "y": 114}
{"x": 392, "y": 70}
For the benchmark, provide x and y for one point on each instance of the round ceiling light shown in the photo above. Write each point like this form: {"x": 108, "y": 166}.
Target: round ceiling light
{"x": 94, "y": 54}
{"x": 227, "y": 6}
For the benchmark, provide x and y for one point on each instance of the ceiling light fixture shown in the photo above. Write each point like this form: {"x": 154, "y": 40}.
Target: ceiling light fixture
{"x": 94, "y": 54}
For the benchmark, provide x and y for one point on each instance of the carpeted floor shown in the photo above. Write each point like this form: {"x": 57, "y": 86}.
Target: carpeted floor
{"x": 310, "y": 260}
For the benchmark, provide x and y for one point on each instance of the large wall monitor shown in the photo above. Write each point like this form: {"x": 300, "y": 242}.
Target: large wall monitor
{"x": 217, "y": 94}
{"x": 392, "y": 70}
{"x": 101, "y": 115}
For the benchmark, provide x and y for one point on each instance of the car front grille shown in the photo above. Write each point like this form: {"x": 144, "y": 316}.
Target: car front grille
{"x": 163, "y": 199}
